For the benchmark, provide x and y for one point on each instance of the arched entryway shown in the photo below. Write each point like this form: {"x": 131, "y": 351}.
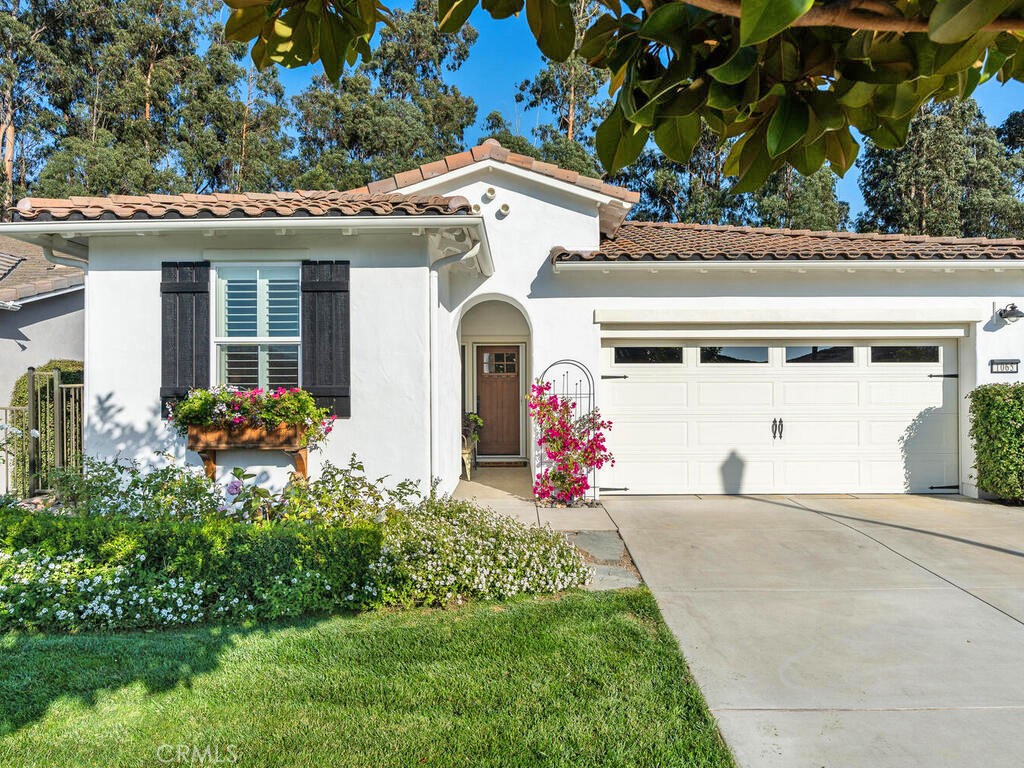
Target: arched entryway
{"x": 495, "y": 336}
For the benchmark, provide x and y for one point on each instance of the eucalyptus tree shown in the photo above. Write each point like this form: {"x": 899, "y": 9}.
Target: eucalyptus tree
{"x": 551, "y": 146}
{"x": 953, "y": 177}
{"x": 27, "y": 70}
{"x": 392, "y": 112}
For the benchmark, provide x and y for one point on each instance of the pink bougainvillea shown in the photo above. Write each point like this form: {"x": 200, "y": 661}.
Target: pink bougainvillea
{"x": 573, "y": 443}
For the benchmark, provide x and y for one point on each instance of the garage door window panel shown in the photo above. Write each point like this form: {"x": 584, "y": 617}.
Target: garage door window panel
{"x": 734, "y": 355}
{"x": 905, "y": 354}
{"x": 648, "y": 355}
{"x": 819, "y": 354}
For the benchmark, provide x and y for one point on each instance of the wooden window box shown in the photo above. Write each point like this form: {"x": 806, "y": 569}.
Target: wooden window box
{"x": 206, "y": 441}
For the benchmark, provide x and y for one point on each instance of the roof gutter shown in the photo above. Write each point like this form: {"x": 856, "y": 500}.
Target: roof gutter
{"x": 67, "y": 230}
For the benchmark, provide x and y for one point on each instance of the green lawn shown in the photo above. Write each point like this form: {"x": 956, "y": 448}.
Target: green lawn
{"x": 581, "y": 680}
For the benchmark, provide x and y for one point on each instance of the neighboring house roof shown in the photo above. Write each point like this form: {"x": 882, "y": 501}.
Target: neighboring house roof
{"x": 643, "y": 241}
{"x": 25, "y": 273}
{"x": 492, "y": 150}
{"x": 252, "y": 205}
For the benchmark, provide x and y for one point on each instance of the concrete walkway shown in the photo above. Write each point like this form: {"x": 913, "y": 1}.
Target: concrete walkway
{"x": 509, "y": 491}
{"x": 845, "y": 631}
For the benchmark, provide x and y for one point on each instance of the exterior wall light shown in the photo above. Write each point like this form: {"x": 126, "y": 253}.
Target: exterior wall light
{"x": 1010, "y": 313}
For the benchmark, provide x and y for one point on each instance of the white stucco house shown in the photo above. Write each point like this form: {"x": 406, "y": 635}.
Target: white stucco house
{"x": 731, "y": 360}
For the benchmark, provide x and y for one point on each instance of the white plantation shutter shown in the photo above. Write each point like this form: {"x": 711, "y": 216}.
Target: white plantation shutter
{"x": 258, "y": 334}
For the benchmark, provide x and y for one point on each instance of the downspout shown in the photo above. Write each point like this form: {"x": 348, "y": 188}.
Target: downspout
{"x": 434, "y": 345}
{"x": 10, "y": 306}
{"x": 64, "y": 261}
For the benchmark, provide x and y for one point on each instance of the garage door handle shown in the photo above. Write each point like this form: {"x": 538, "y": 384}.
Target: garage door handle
{"x": 775, "y": 428}
{"x": 780, "y": 429}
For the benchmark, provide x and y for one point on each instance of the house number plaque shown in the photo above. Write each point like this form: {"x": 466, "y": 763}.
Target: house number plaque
{"x": 1003, "y": 366}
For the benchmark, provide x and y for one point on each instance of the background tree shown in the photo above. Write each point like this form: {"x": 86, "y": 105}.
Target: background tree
{"x": 568, "y": 89}
{"x": 116, "y": 105}
{"x": 552, "y": 148}
{"x": 230, "y": 133}
{"x": 792, "y": 200}
{"x": 27, "y": 69}
{"x": 392, "y": 113}
{"x": 695, "y": 191}
{"x": 953, "y": 178}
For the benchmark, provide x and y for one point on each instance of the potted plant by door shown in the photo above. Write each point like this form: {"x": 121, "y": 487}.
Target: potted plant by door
{"x": 472, "y": 424}
{"x": 222, "y": 418}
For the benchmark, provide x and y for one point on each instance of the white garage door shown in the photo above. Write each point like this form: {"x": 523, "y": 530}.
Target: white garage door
{"x": 781, "y": 417}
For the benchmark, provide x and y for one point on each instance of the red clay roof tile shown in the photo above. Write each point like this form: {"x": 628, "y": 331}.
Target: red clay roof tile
{"x": 641, "y": 241}
{"x": 492, "y": 150}
{"x": 315, "y": 203}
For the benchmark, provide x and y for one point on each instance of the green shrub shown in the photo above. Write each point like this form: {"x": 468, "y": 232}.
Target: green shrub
{"x": 71, "y": 372}
{"x": 129, "y": 489}
{"x": 67, "y": 572}
{"x": 128, "y": 548}
{"x": 997, "y": 430}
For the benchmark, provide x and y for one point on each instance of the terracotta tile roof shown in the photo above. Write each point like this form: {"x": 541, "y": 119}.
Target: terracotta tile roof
{"x": 253, "y": 204}
{"x": 492, "y": 150}
{"x": 657, "y": 241}
{"x": 25, "y": 272}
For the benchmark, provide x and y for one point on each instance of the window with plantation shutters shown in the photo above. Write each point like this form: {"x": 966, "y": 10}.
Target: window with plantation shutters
{"x": 257, "y": 340}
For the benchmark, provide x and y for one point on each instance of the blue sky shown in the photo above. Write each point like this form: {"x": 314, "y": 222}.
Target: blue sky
{"x": 505, "y": 54}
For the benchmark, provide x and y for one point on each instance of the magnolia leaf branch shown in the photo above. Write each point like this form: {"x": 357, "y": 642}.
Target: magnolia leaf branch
{"x": 851, "y": 15}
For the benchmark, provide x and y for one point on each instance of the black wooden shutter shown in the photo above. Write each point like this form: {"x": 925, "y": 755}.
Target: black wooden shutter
{"x": 185, "y": 309}
{"x": 326, "y": 348}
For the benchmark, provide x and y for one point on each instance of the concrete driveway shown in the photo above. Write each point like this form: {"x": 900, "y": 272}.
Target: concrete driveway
{"x": 875, "y": 631}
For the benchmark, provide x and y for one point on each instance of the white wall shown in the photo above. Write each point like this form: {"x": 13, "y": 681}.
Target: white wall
{"x": 44, "y": 330}
{"x": 389, "y": 424}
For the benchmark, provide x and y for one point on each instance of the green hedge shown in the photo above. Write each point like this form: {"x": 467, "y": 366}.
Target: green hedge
{"x": 71, "y": 372}
{"x": 997, "y": 430}
{"x": 79, "y": 568}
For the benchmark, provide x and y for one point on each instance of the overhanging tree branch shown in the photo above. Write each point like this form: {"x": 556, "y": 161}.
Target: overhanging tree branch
{"x": 849, "y": 15}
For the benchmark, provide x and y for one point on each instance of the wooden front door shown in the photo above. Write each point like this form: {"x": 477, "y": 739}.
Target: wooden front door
{"x": 498, "y": 399}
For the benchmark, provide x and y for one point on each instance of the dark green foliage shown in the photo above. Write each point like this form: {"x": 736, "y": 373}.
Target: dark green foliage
{"x": 997, "y": 431}
{"x": 700, "y": 191}
{"x": 71, "y": 372}
{"x": 1011, "y": 132}
{"x": 952, "y": 178}
{"x": 791, "y": 200}
{"x": 697, "y": 191}
{"x": 270, "y": 567}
